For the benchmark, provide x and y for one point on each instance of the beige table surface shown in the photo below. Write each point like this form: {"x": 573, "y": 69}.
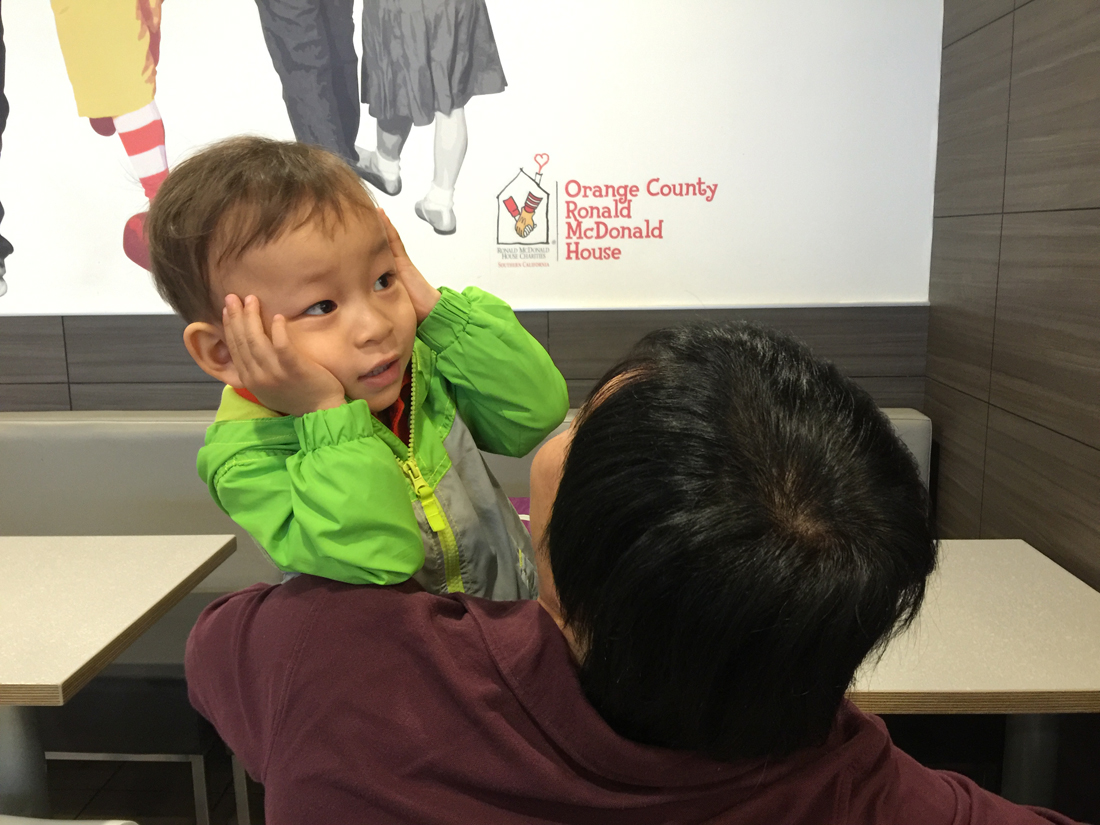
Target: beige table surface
{"x": 70, "y": 604}
{"x": 1003, "y": 630}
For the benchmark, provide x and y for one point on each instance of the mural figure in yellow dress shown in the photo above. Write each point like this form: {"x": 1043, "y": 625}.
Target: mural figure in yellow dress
{"x": 111, "y": 49}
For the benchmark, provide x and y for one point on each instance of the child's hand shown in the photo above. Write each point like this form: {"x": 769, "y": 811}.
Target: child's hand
{"x": 273, "y": 369}
{"x": 423, "y": 295}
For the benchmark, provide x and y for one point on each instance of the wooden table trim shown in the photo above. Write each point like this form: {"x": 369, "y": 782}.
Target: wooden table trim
{"x": 949, "y": 702}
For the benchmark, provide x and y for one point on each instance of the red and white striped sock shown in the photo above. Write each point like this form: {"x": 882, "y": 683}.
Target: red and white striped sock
{"x": 142, "y": 134}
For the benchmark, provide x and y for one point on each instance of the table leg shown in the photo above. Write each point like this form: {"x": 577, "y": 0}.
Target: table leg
{"x": 22, "y": 764}
{"x": 1030, "y": 758}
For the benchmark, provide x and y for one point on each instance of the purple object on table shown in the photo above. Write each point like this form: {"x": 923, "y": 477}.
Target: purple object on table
{"x": 523, "y": 507}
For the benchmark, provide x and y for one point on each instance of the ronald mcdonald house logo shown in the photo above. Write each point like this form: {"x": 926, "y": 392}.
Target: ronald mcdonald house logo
{"x": 601, "y": 222}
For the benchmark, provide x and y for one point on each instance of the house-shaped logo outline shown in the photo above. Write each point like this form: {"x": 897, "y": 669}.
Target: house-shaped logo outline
{"x": 506, "y": 233}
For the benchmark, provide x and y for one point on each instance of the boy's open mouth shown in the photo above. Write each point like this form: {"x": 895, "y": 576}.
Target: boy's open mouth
{"x": 379, "y": 369}
{"x": 381, "y": 375}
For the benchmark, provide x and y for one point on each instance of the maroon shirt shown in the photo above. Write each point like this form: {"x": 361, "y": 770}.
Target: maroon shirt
{"x": 360, "y": 704}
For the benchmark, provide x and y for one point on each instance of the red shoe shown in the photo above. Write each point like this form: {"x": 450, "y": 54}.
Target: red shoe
{"x": 103, "y": 125}
{"x": 133, "y": 240}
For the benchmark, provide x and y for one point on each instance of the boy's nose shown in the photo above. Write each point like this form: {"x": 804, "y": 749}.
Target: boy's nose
{"x": 371, "y": 325}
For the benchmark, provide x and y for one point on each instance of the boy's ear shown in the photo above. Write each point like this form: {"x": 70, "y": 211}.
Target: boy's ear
{"x": 206, "y": 343}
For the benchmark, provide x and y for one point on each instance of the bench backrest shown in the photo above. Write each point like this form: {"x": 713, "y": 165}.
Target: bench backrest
{"x": 132, "y": 473}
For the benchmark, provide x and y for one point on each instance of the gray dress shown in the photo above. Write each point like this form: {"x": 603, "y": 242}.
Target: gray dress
{"x": 426, "y": 56}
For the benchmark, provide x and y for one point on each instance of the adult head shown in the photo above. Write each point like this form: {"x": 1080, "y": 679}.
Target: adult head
{"x": 736, "y": 528}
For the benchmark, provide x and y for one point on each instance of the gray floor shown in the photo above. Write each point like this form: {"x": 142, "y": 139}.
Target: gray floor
{"x": 150, "y": 793}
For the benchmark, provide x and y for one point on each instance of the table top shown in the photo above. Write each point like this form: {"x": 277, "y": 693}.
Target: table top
{"x": 1003, "y": 629}
{"x": 70, "y": 604}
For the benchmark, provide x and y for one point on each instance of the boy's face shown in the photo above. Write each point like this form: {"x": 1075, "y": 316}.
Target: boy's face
{"x": 338, "y": 289}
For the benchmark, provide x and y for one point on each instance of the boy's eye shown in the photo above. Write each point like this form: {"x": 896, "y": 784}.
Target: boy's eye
{"x": 321, "y": 308}
{"x": 383, "y": 282}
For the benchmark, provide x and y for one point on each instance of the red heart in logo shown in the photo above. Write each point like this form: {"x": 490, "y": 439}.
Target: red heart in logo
{"x": 542, "y": 159}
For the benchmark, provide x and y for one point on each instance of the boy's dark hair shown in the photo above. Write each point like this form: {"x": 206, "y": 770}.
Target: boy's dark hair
{"x": 736, "y": 528}
{"x": 231, "y": 197}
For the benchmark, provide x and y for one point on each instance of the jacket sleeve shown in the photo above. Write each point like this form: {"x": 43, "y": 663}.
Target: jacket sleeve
{"x": 506, "y": 388}
{"x": 326, "y": 498}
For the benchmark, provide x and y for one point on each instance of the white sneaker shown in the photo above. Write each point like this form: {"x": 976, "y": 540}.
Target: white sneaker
{"x": 441, "y": 218}
{"x": 370, "y": 170}
{"x": 3, "y": 272}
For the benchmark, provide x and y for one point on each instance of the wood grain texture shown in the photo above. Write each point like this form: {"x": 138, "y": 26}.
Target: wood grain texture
{"x": 894, "y": 391}
{"x": 31, "y": 397}
{"x": 962, "y": 293}
{"x": 537, "y": 324}
{"x": 900, "y": 391}
{"x": 578, "y": 390}
{"x": 32, "y": 350}
{"x": 1046, "y": 359}
{"x": 887, "y": 341}
{"x": 150, "y": 396}
{"x": 127, "y": 362}
{"x": 128, "y": 349}
{"x": 963, "y": 17}
{"x": 974, "y": 85}
{"x": 1053, "y": 139}
{"x": 977, "y": 702}
{"x": 1044, "y": 488}
{"x": 959, "y": 428}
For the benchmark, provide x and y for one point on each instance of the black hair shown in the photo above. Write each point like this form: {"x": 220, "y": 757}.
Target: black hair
{"x": 737, "y": 527}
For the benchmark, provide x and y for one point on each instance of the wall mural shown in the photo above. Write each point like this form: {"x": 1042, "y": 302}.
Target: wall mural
{"x": 574, "y": 154}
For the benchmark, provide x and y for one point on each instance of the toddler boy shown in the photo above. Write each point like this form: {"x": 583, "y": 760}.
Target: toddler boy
{"x": 357, "y": 394}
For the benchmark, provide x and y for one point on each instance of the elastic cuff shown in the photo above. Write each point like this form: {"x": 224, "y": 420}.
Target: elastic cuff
{"x": 446, "y": 321}
{"x": 324, "y": 428}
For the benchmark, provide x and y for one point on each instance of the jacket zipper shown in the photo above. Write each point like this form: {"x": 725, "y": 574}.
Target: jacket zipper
{"x": 433, "y": 511}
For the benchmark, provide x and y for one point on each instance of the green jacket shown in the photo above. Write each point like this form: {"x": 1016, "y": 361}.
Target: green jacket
{"x": 336, "y": 494}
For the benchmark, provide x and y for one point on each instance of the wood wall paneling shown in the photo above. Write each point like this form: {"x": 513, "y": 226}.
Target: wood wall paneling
{"x": 33, "y": 397}
{"x": 139, "y": 362}
{"x": 128, "y": 349}
{"x": 32, "y": 350}
{"x": 887, "y": 391}
{"x": 962, "y": 17}
{"x": 962, "y": 293}
{"x": 959, "y": 428}
{"x": 204, "y": 395}
{"x": 862, "y": 341}
{"x": 537, "y": 324}
{"x": 1046, "y": 359}
{"x": 1044, "y": 488}
{"x": 973, "y": 116}
{"x": 1053, "y": 137}
{"x": 894, "y": 391}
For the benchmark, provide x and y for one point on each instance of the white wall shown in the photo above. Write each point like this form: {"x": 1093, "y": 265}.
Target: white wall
{"x": 817, "y": 122}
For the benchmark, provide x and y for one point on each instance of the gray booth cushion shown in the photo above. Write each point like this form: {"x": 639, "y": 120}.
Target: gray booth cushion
{"x": 132, "y": 473}
{"x": 116, "y": 473}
